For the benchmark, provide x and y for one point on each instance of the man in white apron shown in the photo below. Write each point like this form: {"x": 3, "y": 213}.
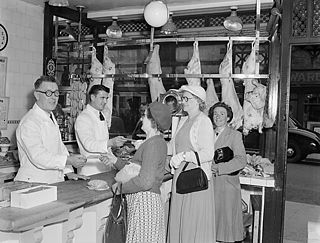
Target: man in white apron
{"x": 92, "y": 133}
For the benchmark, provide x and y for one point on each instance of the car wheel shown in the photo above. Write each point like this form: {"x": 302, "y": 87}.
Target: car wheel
{"x": 294, "y": 153}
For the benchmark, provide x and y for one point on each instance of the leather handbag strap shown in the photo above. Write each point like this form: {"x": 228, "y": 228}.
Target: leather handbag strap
{"x": 187, "y": 162}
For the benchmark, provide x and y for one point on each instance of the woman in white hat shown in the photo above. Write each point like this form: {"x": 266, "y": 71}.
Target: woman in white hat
{"x": 192, "y": 216}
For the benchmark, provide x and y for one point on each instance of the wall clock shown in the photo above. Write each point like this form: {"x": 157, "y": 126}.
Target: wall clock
{"x": 3, "y": 37}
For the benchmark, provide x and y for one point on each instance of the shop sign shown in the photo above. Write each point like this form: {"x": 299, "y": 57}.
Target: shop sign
{"x": 301, "y": 77}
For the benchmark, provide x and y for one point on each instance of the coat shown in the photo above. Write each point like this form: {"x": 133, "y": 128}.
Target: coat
{"x": 229, "y": 221}
{"x": 42, "y": 154}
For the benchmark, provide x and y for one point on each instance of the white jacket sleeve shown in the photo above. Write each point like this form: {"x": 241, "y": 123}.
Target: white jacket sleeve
{"x": 84, "y": 128}
{"x": 43, "y": 158}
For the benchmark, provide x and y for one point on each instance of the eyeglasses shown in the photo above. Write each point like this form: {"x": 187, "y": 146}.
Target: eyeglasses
{"x": 186, "y": 99}
{"x": 49, "y": 93}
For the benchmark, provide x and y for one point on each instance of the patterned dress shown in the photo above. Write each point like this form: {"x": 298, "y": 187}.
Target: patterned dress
{"x": 145, "y": 208}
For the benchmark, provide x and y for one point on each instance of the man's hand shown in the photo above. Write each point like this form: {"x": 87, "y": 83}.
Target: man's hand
{"x": 74, "y": 176}
{"x": 76, "y": 160}
{"x": 117, "y": 141}
{"x": 108, "y": 158}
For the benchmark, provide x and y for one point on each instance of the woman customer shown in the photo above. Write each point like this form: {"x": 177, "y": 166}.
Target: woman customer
{"x": 145, "y": 209}
{"x": 192, "y": 217}
{"x": 229, "y": 221}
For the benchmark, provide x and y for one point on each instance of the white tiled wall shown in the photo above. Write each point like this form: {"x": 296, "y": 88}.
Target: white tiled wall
{"x": 24, "y": 23}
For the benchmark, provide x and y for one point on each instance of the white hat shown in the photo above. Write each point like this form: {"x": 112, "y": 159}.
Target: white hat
{"x": 195, "y": 90}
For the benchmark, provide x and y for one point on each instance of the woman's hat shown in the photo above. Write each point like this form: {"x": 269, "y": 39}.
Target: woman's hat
{"x": 195, "y": 90}
{"x": 161, "y": 114}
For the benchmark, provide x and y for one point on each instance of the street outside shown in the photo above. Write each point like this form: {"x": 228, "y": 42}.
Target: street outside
{"x": 302, "y": 212}
{"x": 303, "y": 182}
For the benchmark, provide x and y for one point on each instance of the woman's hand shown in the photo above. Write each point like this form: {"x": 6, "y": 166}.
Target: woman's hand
{"x": 137, "y": 143}
{"x": 215, "y": 170}
{"x": 176, "y": 160}
{"x": 115, "y": 189}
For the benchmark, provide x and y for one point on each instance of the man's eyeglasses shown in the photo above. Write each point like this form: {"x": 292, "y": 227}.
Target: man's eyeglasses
{"x": 49, "y": 93}
{"x": 186, "y": 99}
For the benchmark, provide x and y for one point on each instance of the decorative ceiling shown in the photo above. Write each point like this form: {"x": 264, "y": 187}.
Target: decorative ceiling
{"x": 103, "y": 10}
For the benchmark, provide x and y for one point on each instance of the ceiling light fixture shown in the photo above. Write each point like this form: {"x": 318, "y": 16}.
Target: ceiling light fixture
{"x": 169, "y": 28}
{"x": 156, "y": 13}
{"x": 114, "y": 30}
{"x": 233, "y": 22}
{"x": 59, "y": 3}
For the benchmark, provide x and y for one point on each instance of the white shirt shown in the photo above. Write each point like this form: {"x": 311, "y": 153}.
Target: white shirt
{"x": 42, "y": 153}
{"x": 92, "y": 136}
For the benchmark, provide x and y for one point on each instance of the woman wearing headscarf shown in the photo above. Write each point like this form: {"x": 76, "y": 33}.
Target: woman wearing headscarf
{"x": 145, "y": 208}
{"x": 192, "y": 218}
{"x": 230, "y": 158}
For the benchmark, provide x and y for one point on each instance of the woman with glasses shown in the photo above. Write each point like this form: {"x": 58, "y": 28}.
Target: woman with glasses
{"x": 230, "y": 158}
{"x": 192, "y": 217}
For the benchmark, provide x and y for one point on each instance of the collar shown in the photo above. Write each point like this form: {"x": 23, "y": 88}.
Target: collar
{"x": 94, "y": 111}
{"x": 41, "y": 112}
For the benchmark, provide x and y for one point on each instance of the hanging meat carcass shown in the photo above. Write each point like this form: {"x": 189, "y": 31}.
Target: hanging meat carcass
{"x": 212, "y": 96}
{"x": 254, "y": 97}
{"x": 194, "y": 66}
{"x": 108, "y": 68}
{"x": 154, "y": 67}
{"x": 228, "y": 92}
{"x": 98, "y": 69}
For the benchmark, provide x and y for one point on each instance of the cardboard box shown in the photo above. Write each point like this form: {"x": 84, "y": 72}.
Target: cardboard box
{"x": 33, "y": 196}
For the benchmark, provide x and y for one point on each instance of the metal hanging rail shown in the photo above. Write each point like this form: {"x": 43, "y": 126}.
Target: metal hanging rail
{"x": 182, "y": 39}
{"x": 146, "y": 75}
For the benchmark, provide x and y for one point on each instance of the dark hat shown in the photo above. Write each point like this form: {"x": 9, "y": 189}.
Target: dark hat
{"x": 161, "y": 115}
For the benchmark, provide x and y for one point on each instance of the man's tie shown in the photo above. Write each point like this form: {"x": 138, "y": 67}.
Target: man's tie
{"x": 101, "y": 116}
{"x": 51, "y": 117}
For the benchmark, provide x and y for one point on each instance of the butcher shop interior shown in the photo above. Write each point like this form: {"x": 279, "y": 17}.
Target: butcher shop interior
{"x": 260, "y": 58}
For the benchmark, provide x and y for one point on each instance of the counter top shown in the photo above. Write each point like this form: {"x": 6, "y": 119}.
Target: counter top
{"x": 71, "y": 195}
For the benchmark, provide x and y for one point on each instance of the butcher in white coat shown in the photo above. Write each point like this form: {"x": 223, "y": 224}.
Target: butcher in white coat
{"x": 42, "y": 154}
{"x": 92, "y": 134}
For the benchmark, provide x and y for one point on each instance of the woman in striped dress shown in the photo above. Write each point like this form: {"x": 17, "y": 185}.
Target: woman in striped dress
{"x": 145, "y": 209}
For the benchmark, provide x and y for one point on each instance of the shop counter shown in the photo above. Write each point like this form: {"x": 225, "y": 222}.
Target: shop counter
{"x": 256, "y": 185}
{"x": 79, "y": 215}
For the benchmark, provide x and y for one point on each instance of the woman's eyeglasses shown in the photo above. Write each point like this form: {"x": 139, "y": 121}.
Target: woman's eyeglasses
{"x": 186, "y": 99}
{"x": 49, "y": 93}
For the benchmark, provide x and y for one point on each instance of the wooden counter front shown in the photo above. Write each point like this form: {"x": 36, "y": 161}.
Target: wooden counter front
{"x": 76, "y": 210}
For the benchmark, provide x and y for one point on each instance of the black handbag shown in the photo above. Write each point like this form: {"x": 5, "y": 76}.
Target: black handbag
{"x": 191, "y": 180}
{"x": 222, "y": 155}
{"x": 116, "y": 227}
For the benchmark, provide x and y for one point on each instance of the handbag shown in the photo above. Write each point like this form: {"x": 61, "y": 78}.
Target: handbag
{"x": 116, "y": 226}
{"x": 191, "y": 180}
{"x": 223, "y": 155}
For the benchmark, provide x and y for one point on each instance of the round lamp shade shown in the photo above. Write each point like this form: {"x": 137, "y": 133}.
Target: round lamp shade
{"x": 156, "y": 13}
